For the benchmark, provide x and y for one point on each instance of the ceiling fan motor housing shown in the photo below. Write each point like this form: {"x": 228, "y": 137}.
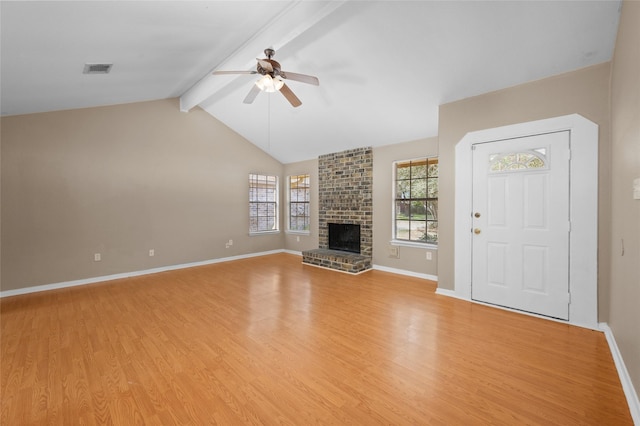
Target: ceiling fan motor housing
{"x": 274, "y": 65}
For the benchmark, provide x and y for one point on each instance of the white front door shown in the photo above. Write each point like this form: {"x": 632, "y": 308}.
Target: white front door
{"x": 521, "y": 224}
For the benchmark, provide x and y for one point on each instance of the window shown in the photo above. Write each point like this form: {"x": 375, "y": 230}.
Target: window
{"x": 299, "y": 203}
{"x": 515, "y": 161}
{"x": 263, "y": 203}
{"x": 416, "y": 201}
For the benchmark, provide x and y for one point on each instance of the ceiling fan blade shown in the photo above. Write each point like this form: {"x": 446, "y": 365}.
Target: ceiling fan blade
{"x": 293, "y": 99}
{"x": 265, "y": 64}
{"x": 251, "y": 96}
{"x": 309, "y": 79}
{"x": 233, "y": 72}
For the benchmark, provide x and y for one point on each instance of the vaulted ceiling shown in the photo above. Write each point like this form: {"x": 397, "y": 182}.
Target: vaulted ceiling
{"x": 384, "y": 66}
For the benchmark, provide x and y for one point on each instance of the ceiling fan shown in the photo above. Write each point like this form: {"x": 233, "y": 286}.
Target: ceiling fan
{"x": 271, "y": 81}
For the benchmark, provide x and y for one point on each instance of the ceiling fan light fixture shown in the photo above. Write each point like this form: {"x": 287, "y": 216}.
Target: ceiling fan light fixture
{"x": 269, "y": 84}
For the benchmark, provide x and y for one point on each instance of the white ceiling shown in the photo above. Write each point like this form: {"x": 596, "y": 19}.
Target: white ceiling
{"x": 384, "y": 66}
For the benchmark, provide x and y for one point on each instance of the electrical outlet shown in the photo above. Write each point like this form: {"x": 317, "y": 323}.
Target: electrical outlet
{"x": 152, "y": 252}
{"x": 394, "y": 251}
{"x": 97, "y": 257}
{"x": 298, "y": 238}
{"x": 230, "y": 242}
{"x": 429, "y": 255}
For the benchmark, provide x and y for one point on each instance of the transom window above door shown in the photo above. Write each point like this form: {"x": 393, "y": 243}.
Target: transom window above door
{"x": 515, "y": 161}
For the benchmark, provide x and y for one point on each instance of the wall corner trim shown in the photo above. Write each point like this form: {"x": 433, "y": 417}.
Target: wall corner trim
{"x": 625, "y": 379}
{"x": 449, "y": 293}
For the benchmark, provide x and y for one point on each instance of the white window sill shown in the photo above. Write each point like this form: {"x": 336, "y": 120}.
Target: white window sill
{"x": 427, "y": 246}
{"x": 298, "y": 232}
{"x": 253, "y": 234}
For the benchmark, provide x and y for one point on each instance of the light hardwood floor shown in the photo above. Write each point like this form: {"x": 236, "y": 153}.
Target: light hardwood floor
{"x": 268, "y": 340}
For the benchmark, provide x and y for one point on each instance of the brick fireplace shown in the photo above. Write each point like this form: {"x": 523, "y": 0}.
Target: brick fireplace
{"x": 345, "y": 195}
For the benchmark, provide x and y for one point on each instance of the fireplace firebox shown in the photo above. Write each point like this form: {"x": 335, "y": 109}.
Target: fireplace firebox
{"x": 344, "y": 236}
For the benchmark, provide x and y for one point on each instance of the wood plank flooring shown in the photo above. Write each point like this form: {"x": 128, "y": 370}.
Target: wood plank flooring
{"x": 269, "y": 340}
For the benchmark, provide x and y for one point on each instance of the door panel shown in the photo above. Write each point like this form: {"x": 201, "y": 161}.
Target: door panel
{"x": 497, "y": 264}
{"x": 520, "y": 226}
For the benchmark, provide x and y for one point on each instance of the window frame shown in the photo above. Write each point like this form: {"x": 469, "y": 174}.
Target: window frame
{"x": 275, "y": 203}
{"x": 394, "y": 201}
{"x": 290, "y": 202}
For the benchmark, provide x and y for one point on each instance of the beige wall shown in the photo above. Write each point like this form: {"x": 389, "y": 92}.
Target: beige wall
{"x": 307, "y": 242}
{"x": 0, "y": 204}
{"x": 624, "y": 312}
{"x": 411, "y": 258}
{"x": 585, "y": 92}
{"x": 119, "y": 181}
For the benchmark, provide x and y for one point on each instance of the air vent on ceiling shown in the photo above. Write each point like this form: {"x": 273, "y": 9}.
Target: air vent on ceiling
{"x": 97, "y": 68}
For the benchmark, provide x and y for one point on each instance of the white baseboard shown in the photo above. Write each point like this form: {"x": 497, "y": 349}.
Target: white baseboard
{"x": 449, "y": 293}
{"x": 405, "y": 272}
{"x": 625, "y": 379}
{"x": 93, "y": 280}
{"x": 297, "y": 253}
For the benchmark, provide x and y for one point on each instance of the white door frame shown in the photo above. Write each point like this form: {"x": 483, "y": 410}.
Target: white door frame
{"x": 583, "y": 206}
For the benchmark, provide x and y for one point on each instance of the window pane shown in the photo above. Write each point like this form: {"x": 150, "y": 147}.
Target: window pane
{"x": 402, "y": 229}
{"x": 418, "y": 210}
{"x": 403, "y": 189}
{"x": 432, "y": 232}
{"x": 418, "y": 230}
{"x": 418, "y": 188}
{"x": 433, "y": 168}
{"x": 403, "y": 209}
{"x": 403, "y": 171}
{"x": 418, "y": 170}
{"x": 432, "y": 210}
{"x": 432, "y": 188}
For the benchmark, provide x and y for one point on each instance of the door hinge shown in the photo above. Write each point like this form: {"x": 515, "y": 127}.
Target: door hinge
{"x": 569, "y": 298}
{"x": 569, "y": 226}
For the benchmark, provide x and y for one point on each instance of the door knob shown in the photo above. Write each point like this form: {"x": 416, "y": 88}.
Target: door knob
{"x": 477, "y": 214}
{"x": 476, "y": 231}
